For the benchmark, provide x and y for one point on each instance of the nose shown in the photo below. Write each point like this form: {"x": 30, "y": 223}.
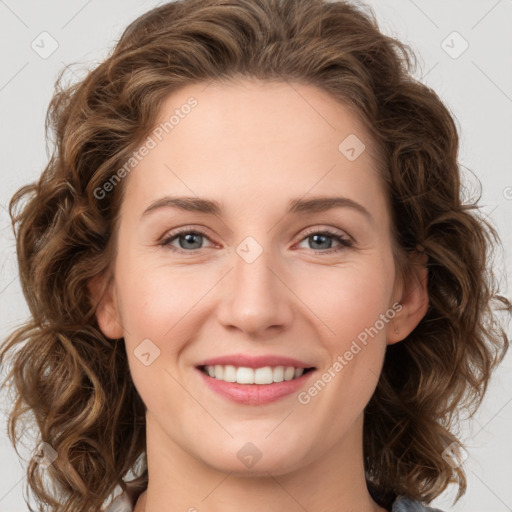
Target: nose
{"x": 255, "y": 298}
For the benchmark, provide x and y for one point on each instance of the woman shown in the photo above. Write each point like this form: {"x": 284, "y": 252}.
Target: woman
{"x": 186, "y": 327}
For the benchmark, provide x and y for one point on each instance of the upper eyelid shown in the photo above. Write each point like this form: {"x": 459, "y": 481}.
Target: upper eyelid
{"x": 330, "y": 231}
{"x": 181, "y": 230}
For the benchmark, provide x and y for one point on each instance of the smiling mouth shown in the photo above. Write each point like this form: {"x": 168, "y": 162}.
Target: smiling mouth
{"x": 264, "y": 375}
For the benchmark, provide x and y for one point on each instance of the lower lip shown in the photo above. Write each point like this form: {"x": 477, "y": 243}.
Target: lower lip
{"x": 255, "y": 394}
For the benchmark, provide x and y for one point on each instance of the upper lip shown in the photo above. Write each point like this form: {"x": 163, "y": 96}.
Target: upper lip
{"x": 247, "y": 361}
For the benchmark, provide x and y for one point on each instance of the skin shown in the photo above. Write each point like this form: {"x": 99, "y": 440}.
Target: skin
{"x": 253, "y": 146}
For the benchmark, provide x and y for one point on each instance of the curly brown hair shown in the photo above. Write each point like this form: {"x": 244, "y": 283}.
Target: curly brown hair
{"x": 76, "y": 382}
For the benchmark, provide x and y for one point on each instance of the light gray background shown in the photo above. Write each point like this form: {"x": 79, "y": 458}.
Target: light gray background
{"x": 476, "y": 85}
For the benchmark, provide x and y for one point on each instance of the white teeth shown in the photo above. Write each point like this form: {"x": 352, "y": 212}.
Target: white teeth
{"x": 244, "y": 375}
{"x": 219, "y": 371}
{"x": 289, "y": 373}
{"x": 263, "y": 375}
{"x": 229, "y": 373}
{"x": 279, "y": 374}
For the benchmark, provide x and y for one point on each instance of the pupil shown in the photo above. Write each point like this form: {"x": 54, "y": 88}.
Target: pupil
{"x": 315, "y": 237}
{"x": 189, "y": 237}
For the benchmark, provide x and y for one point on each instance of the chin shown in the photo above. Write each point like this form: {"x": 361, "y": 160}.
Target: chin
{"x": 248, "y": 459}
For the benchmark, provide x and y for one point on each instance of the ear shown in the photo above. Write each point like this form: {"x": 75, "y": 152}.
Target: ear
{"x": 103, "y": 297}
{"x": 412, "y": 295}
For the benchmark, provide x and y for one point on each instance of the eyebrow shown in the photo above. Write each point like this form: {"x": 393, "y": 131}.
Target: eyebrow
{"x": 313, "y": 205}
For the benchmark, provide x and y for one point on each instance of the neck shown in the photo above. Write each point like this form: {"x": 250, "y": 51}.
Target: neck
{"x": 332, "y": 482}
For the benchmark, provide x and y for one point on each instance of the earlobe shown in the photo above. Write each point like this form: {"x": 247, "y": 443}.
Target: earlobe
{"x": 414, "y": 300}
{"x": 103, "y": 298}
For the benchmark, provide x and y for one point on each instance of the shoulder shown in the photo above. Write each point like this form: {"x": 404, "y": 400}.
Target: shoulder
{"x": 125, "y": 502}
{"x": 120, "y": 504}
{"x": 403, "y": 504}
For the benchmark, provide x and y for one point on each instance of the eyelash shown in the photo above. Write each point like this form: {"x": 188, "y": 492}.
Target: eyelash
{"x": 344, "y": 242}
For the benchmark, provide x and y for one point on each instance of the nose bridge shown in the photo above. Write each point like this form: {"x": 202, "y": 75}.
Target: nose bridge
{"x": 253, "y": 267}
{"x": 256, "y": 298}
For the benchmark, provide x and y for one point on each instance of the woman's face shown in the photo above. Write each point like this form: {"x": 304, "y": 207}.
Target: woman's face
{"x": 253, "y": 281}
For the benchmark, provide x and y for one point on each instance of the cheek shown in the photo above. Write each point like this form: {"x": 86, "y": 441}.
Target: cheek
{"x": 349, "y": 300}
{"x": 155, "y": 301}
{"x": 354, "y": 305}
{"x": 157, "y": 308}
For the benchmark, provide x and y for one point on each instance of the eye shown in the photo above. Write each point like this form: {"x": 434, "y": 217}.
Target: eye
{"x": 320, "y": 239}
{"x": 188, "y": 240}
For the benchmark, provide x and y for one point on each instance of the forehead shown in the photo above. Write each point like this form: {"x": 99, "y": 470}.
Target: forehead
{"x": 248, "y": 139}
